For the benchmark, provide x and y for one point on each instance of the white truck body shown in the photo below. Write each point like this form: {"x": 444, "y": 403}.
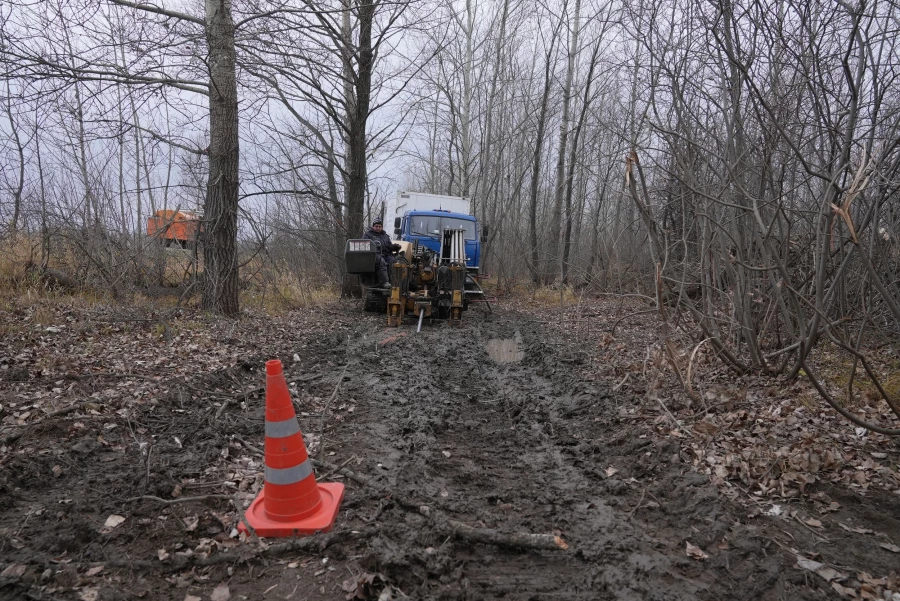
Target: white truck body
{"x": 420, "y": 201}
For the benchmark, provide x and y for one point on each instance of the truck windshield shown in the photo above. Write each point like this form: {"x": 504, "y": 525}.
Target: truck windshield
{"x": 432, "y": 225}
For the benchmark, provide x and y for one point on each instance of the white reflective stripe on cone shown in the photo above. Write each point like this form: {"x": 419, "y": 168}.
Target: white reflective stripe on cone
{"x": 282, "y": 429}
{"x": 289, "y": 475}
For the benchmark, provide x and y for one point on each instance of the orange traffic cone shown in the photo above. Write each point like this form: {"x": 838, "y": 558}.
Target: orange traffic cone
{"x": 291, "y": 503}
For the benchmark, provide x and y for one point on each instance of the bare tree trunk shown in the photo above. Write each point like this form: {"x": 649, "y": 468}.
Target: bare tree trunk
{"x": 432, "y": 149}
{"x": 573, "y": 155}
{"x": 357, "y": 119}
{"x": 20, "y": 151}
{"x": 220, "y": 293}
{"x": 92, "y": 210}
{"x": 485, "y": 182}
{"x": 120, "y": 138}
{"x": 465, "y": 117}
{"x": 534, "y": 240}
{"x": 554, "y": 260}
{"x": 595, "y": 229}
{"x": 341, "y": 232}
{"x": 45, "y": 235}
{"x": 349, "y": 284}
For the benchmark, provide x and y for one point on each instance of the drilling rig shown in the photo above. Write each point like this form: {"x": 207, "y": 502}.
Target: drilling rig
{"x": 437, "y": 268}
{"x": 424, "y": 283}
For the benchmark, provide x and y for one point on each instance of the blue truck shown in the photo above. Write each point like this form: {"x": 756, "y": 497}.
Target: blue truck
{"x": 421, "y": 217}
{"x": 435, "y": 272}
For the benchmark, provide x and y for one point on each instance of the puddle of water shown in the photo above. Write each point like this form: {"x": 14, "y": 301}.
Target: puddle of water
{"x": 505, "y": 350}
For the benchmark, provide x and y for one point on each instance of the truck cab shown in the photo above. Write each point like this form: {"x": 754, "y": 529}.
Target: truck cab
{"x": 427, "y": 227}
{"x": 422, "y": 217}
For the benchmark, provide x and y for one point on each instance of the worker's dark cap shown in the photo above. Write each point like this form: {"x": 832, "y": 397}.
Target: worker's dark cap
{"x": 377, "y": 222}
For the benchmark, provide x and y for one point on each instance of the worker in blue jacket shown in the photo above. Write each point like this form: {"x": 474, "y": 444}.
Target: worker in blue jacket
{"x": 386, "y": 257}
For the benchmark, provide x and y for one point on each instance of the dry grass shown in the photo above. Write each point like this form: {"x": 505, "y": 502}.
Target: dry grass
{"x": 838, "y": 369}
{"x": 286, "y": 295}
{"x": 17, "y": 252}
{"x": 524, "y": 288}
{"x": 178, "y": 265}
{"x": 550, "y": 295}
{"x": 275, "y": 289}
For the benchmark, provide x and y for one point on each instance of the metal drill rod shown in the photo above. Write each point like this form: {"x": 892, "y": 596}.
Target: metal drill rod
{"x": 421, "y": 317}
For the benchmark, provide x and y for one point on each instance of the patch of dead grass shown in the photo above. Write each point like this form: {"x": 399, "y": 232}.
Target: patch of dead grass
{"x": 17, "y": 252}
{"x": 837, "y": 368}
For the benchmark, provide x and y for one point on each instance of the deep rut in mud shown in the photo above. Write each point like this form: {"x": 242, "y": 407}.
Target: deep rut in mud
{"x": 526, "y": 444}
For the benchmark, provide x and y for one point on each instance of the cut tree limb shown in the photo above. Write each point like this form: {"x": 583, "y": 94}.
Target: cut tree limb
{"x": 514, "y": 540}
{"x": 178, "y": 500}
{"x": 26, "y": 427}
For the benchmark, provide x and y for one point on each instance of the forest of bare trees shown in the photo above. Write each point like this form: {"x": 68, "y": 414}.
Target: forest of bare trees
{"x": 736, "y": 161}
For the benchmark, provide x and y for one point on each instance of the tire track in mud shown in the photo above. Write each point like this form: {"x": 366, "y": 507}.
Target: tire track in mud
{"x": 509, "y": 446}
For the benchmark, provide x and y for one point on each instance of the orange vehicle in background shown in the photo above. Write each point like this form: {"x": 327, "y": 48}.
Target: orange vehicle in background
{"x": 174, "y": 227}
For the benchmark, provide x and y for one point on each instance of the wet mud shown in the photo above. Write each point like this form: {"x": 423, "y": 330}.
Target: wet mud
{"x": 505, "y": 350}
{"x": 499, "y": 424}
{"x": 504, "y": 427}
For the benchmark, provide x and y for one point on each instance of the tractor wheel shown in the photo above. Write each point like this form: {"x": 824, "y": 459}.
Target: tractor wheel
{"x": 374, "y": 302}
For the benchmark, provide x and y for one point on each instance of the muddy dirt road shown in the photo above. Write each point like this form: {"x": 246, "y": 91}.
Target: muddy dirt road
{"x": 503, "y": 424}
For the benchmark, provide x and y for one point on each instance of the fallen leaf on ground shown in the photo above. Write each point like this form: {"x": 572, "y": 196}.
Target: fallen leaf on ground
{"x": 843, "y": 590}
{"x": 89, "y": 594}
{"x": 191, "y": 523}
{"x": 113, "y": 521}
{"x": 854, "y": 529}
{"x": 867, "y": 591}
{"x": 809, "y": 564}
{"x": 221, "y": 592}
{"x": 387, "y": 594}
{"x": 813, "y": 523}
{"x": 705, "y": 428}
{"x": 361, "y": 587}
{"x": 611, "y": 471}
{"x": 868, "y": 579}
{"x": 13, "y": 572}
{"x": 162, "y": 554}
{"x": 191, "y": 598}
{"x": 890, "y": 547}
{"x": 829, "y": 574}
{"x": 820, "y": 569}
{"x": 695, "y": 552}
{"x": 94, "y": 571}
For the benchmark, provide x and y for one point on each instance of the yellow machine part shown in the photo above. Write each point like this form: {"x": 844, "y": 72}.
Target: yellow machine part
{"x": 426, "y": 277}
{"x": 405, "y": 250}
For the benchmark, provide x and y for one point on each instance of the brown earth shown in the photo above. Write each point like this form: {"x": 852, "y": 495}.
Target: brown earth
{"x": 169, "y": 406}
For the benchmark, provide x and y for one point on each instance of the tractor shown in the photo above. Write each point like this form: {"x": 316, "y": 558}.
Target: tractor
{"x": 423, "y": 282}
